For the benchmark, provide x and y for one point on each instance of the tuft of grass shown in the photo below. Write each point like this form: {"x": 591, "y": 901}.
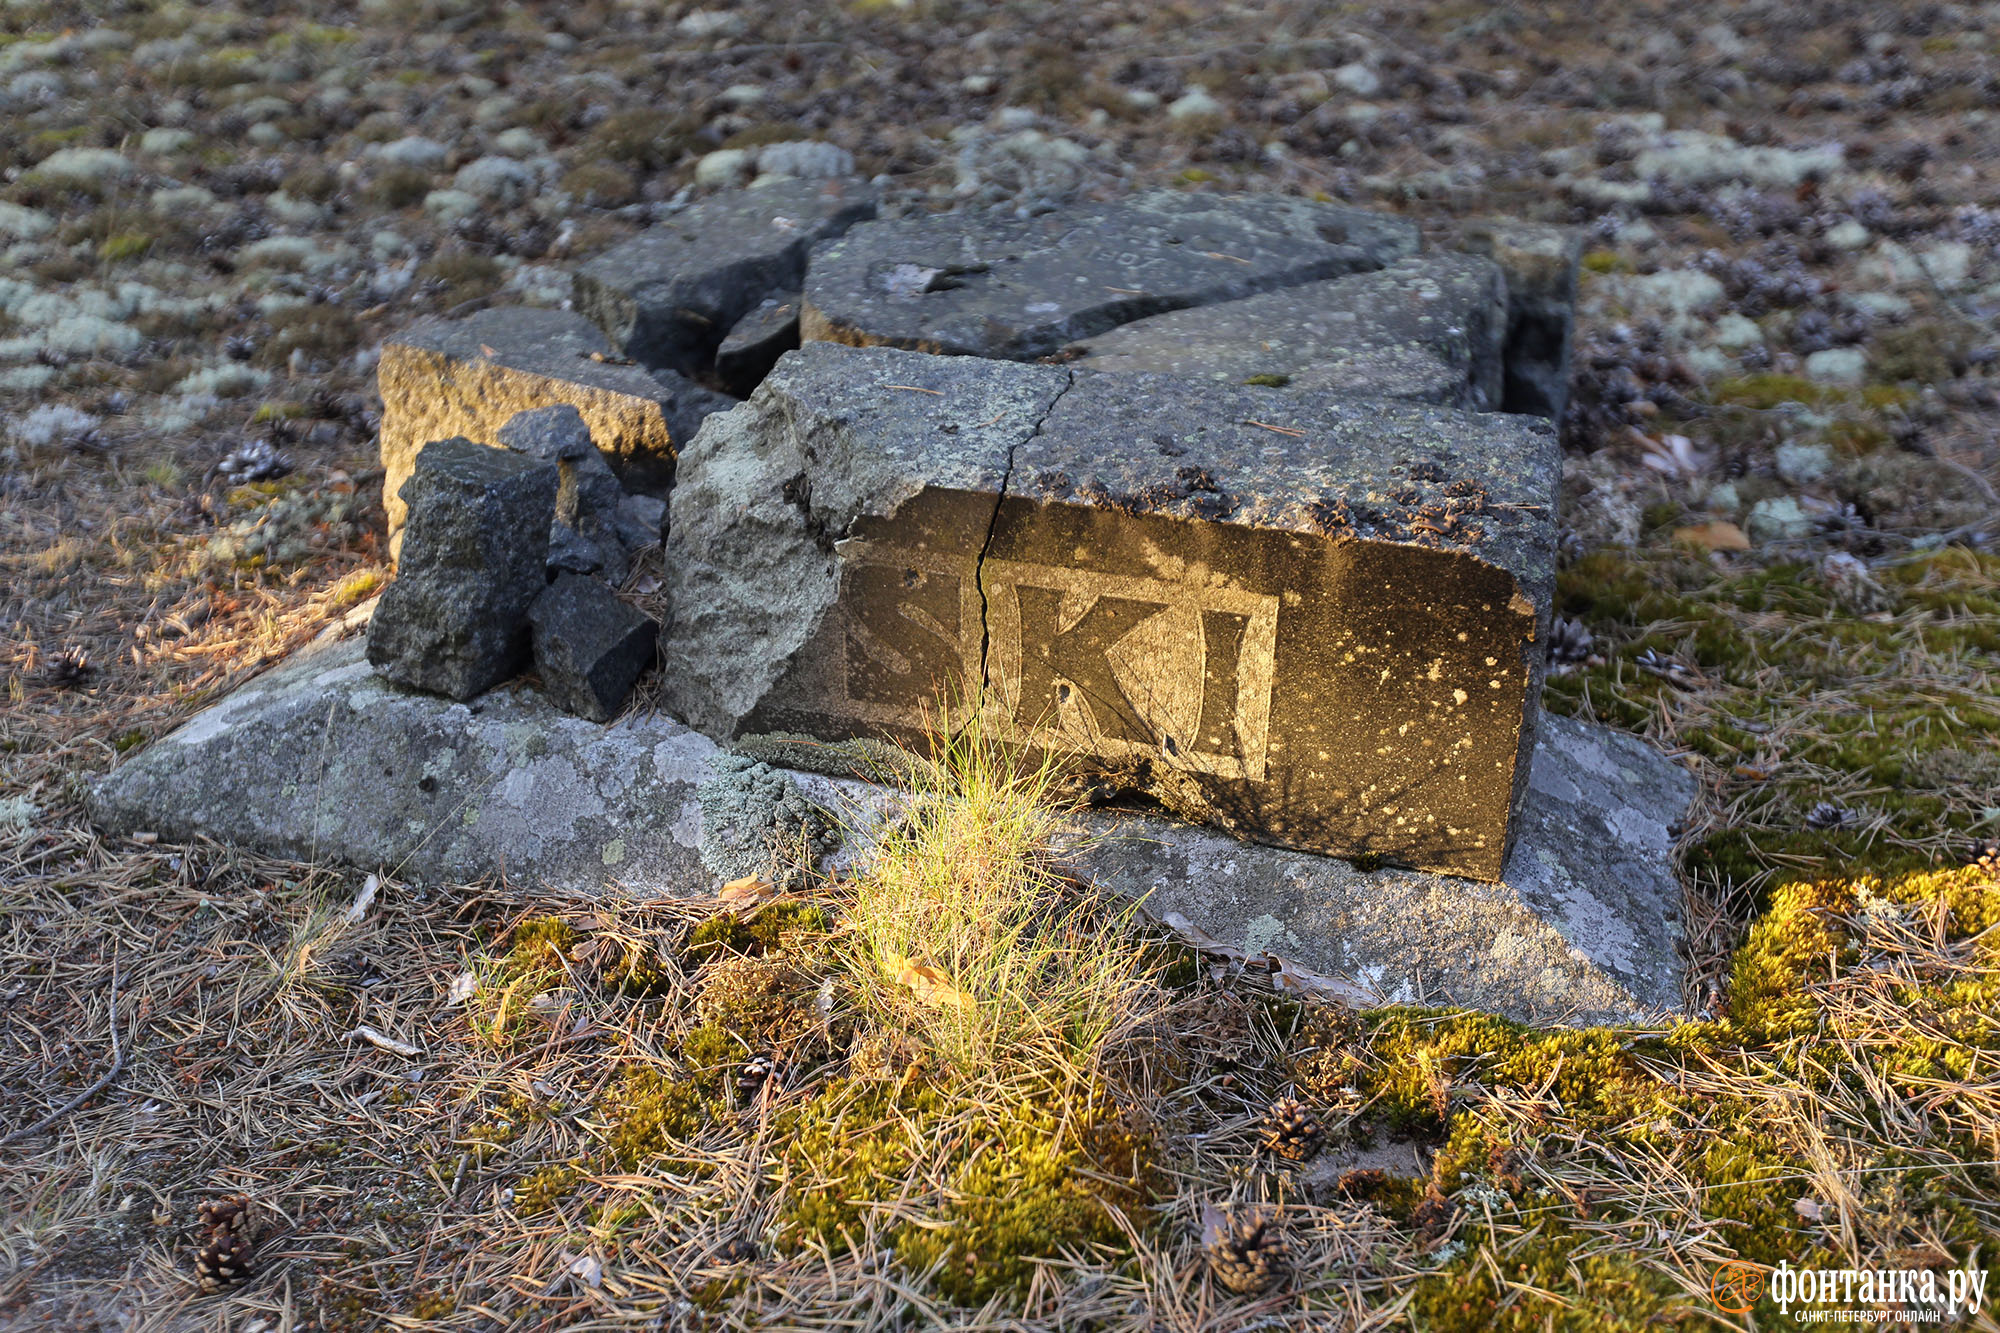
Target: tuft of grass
{"x": 963, "y": 928}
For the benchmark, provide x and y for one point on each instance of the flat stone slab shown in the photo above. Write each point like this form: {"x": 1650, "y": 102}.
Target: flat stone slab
{"x": 669, "y": 296}
{"x": 994, "y": 286}
{"x": 1429, "y": 329}
{"x": 1308, "y": 618}
{"x": 323, "y": 759}
{"x": 469, "y": 377}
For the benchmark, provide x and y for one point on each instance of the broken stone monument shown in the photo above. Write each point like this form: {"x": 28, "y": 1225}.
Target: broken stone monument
{"x": 1314, "y": 619}
{"x": 323, "y": 757}
{"x": 469, "y": 377}
{"x": 1250, "y": 546}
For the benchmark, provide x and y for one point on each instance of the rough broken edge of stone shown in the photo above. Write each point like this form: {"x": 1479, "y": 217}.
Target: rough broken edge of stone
{"x": 670, "y": 295}
{"x": 321, "y": 759}
{"x": 430, "y": 391}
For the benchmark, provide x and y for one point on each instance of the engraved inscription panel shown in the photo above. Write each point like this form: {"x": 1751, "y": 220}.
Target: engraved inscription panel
{"x": 1116, "y": 666}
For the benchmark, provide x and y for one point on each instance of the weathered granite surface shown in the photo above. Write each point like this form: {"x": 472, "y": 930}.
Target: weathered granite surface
{"x": 774, "y": 496}
{"x": 455, "y": 620}
{"x": 1430, "y": 329}
{"x": 668, "y": 296}
{"x": 323, "y": 759}
{"x": 471, "y": 376}
{"x": 1311, "y": 618}
{"x": 1020, "y": 288}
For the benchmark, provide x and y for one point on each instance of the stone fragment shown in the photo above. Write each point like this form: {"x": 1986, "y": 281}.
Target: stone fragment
{"x": 640, "y": 521}
{"x": 1540, "y": 264}
{"x": 1313, "y": 619}
{"x": 454, "y": 621}
{"x": 584, "y": 537}
{"x": 590, "y": 493}
{"x": 322, "y": 759}
{"x": 470, "y": 377}
{"x": 589, "y": 646}
{"x": 1429, "y": 329}
{"x": 669, "y": 296}
{"x": 1021, "y": 288}
{"x": 825, "y": 455}
{"x": 757, "y": 341}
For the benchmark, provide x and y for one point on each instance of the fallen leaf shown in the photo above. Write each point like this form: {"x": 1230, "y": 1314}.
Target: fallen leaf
{"x": 1809, "y": 1208}
{"x": 928, "y": 984}
{"x": 1716, "y": 536}
{"x": 462, "y": 987}
{"x": 1290, "y": 979}
{"x": 364, "y": 899}
{"x": 749, "y": 889}
{"x": 587, "y": 1271}
{"x": 374, "y": 1038}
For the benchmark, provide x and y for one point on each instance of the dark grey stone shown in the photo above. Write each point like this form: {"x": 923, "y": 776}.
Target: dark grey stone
{"x": 668, "y": 296}
{"x": 757, "y": 341}
{"x": 454, "y": 621}
{"x": 554, "y": 434}
{"x": 322, "y": 760}
{"x": 1428, "y": 329}
{"x": 589, "y": 646}
{"x": 1541, "y": 265}
{"x": 641, "y": 520}
{"x": 1310, "y": 618}
{"x": 470, "y": 377}
{"x": 570, "y": 552}
{"x": 823, "y": 456}
{"x": 990, "y": 285}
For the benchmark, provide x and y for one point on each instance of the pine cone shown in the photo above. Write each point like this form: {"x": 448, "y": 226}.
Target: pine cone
{"x": 751, "y": 1078}
{"x": 1291, "y": 1131}
{"x": 228, "y": 1213}
{"x": 1246, "y": 1254}
{"x": 223, "y": 1260}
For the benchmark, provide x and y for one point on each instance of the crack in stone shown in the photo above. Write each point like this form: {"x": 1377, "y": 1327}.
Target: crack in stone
{"x": 992, "y": 526}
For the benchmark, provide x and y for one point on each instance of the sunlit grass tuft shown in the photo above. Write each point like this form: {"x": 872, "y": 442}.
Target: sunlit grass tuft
{"x": 965, "y": 931}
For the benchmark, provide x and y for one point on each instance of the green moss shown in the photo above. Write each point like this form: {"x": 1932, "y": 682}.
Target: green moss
{"x": 542, "y": 1190}
{"x": 1925, "y": 351}
{"x": 1267, "y": 381}
{"x": 400, "y": 187}
{"x": 1541, "y": 1283}
{"x": 600, "y": 185}
{"x": 648, "y": 1112}
{"x": 642, "y": 139}
{"x": 325, "y": 332}
{"x": 1606, "y": 261}
{"x": 1771, "y": 389}
{"x": 1023, "y": 1182}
